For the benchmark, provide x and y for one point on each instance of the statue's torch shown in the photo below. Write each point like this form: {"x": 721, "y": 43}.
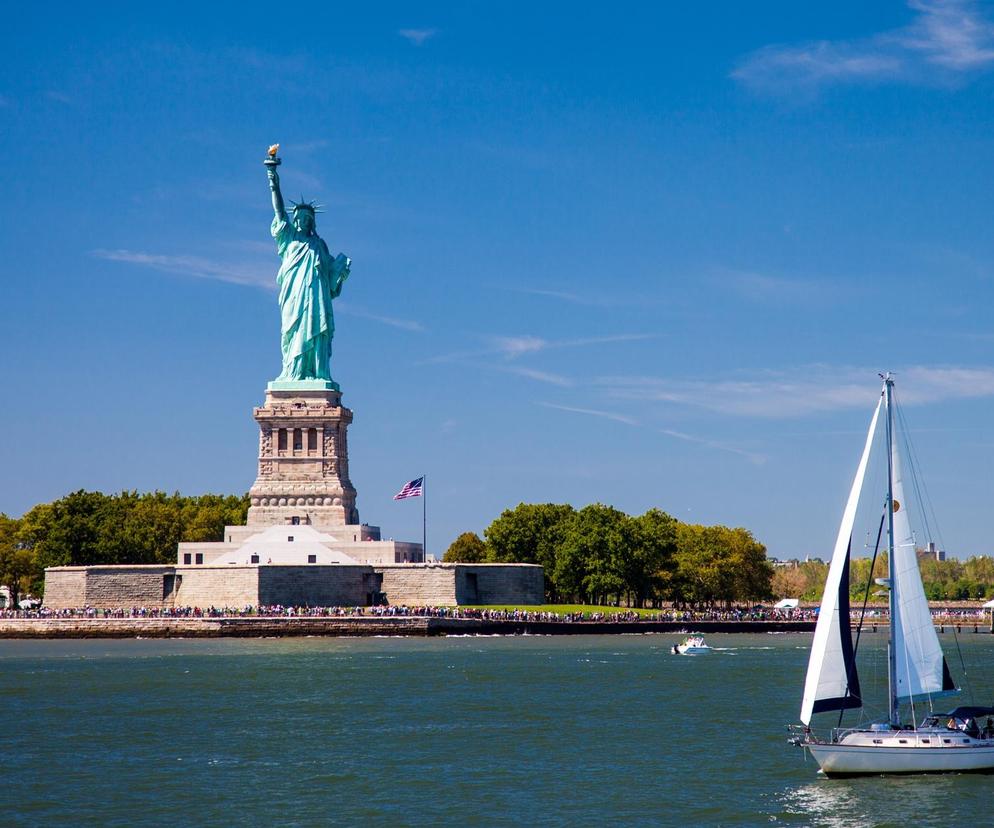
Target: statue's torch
{"x": 272, "y": 159}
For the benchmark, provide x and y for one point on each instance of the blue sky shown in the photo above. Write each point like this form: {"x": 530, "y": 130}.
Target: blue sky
{"x": 648, "y": 255}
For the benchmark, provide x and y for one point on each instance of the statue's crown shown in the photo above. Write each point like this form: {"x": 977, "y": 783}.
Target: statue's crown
{"x": 306, "y": 205}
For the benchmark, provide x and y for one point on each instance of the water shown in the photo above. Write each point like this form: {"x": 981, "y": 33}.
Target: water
{"x": 460, "y": 731}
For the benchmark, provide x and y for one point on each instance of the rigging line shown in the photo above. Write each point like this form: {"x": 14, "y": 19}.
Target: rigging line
{"x": 914, "y": 467}
{"x": 925, "y": 502}
{"x": 866, "y": 597}
{"x": 962, "y": 663}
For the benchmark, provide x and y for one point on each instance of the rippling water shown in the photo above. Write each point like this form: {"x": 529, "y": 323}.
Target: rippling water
{"x": 460, "y": 731}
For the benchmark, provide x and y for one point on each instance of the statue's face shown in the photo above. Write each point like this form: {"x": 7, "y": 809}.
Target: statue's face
{"x": 304, "y": 219}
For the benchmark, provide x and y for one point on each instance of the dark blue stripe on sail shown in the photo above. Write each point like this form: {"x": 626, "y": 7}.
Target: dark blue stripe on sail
{"x": 853, "y": 698}
{"x": 947, "y": 680}
{"x": 845, "y": 631}
{"x": 841, "y": 703}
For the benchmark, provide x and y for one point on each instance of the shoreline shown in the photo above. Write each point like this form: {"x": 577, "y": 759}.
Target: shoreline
{"x": 234, "y": 627}
{"x": 419, "y": 626}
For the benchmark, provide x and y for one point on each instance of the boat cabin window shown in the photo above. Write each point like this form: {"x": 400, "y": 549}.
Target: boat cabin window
{"x": 926, "y": 741}
{"x": 878, "y": 741}
{"x": 903, "y": 741}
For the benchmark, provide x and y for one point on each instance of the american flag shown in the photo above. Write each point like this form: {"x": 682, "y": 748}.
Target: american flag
{"x": 412, "y": 488}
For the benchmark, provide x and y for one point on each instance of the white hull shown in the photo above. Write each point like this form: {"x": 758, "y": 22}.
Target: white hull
{"x": 866, "y": 752}
{"x": 682, "y": 649}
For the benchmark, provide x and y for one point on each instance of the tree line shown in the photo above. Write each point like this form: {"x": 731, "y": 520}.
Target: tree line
{"x": 85, "y": 528}
{"x": 600, "y": 555}
{"x": 948, "y": 580}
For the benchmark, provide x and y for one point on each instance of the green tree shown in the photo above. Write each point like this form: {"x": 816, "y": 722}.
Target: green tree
{"x": 649, "y": 569}
{"x": 467, "y": 548}
{"x": 591, "y": 553}
{"x": 702, "y": 576}
{"x": 529, "y": 533}
{"x": 18, "y": 567}
{"x": 752, "y": 572}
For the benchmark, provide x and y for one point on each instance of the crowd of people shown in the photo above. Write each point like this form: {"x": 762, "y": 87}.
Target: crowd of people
{"x": 670, "y": 614}
{"x": 390, "y": 611}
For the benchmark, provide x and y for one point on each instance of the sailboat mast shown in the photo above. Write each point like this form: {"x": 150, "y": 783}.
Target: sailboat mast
{"x": 892, "y": 706}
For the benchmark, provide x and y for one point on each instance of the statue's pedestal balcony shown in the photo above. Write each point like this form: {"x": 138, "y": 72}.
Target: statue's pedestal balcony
{"x": 303, "y": 459}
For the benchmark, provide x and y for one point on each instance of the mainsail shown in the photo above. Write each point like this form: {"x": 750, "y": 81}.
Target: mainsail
{"x": 832, "y": 682}
{"x": 920, "y": 667}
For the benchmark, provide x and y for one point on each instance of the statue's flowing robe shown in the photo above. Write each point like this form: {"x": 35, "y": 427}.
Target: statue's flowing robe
{"x": 308, "y": 279}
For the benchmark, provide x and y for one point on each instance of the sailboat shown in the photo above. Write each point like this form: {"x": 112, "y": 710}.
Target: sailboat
{"x": 916, "y": 667}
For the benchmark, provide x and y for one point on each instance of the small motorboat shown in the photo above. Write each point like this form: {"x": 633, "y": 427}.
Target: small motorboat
{"x": 692, "y": 645}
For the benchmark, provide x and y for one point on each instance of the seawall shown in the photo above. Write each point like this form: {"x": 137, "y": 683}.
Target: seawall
{"x": 398, "y": 625}
{"x": 358, "y": 626}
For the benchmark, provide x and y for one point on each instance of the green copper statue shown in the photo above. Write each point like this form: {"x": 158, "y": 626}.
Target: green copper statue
{"x": 308, "y": 279}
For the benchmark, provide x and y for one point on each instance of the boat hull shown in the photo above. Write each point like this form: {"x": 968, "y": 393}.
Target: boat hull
{"x": 841, "y": 759}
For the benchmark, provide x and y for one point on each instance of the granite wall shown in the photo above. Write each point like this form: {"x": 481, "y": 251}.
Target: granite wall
{"x": 109, "y": 587}
{"x": 447, "y": 584}
{"x": 318, "y": 586}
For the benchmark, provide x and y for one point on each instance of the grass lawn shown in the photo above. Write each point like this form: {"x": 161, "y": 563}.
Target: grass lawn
{"x": 560, "y": 608}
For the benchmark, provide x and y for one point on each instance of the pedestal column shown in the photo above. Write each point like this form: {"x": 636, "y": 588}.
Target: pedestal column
{"x": 311, "y": 485}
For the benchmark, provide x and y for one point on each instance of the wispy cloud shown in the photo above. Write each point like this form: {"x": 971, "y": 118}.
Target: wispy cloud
{"x": 404, "y": 324}
{"x": 814, "y": 390}
{"x": 251, "y": 274}
{"x": 762, "y": 287}
{"x": 198, "y": 267}
{"x": 593, "y": 412}
{"x": 592, "y": 300}
{"x": 417, "y": 36}
{"x": 513, "y": 347}
{"x": 753, "y": 457}
{"x": 539, "y": 376}
{"x": 946, "y": 40}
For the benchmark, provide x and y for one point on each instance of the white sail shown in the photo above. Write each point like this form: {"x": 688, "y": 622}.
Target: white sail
{"x": 831, "y": 683}
{"x": 919, "y": 665}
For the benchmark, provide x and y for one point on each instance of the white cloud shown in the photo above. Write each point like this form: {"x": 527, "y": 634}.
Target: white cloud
{"x": 247, "y": 274}
{"x": 946, "y": 40}
{"x": 404, "y": 324}
{"x": 417, "y": 36}
{"x": 251, "y": 274}
{"x": 540, "y": 376}
{"x": 753, "y": 457}
{"x": 807, "y": 391}
{"x": 592, "y": 412}
{"x": 513, "y": 347}
{"x": 761, "y": 287}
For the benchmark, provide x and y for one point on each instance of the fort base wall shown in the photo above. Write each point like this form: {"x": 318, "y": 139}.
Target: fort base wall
{"x": 342, "y": 585}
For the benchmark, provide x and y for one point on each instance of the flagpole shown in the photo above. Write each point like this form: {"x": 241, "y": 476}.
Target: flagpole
{"x": 424, "y": 519}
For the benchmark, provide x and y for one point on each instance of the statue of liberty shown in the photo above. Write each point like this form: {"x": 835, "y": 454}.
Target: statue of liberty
{"x": 308, "y": 279}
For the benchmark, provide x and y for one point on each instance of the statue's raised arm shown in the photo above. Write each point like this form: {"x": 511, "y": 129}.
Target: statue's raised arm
{"x": 274, "y": 185}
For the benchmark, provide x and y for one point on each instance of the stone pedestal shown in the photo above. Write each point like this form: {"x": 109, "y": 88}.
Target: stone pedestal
{"x": 303, "y": 459}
